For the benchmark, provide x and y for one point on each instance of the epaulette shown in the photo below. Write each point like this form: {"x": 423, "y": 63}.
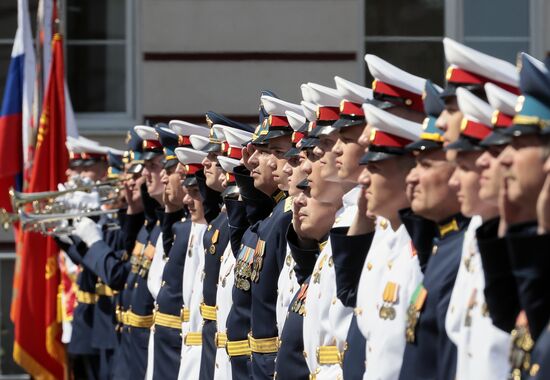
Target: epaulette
{"x": 288, "y": 203}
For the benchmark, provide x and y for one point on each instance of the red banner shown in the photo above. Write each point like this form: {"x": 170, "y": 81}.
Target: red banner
{"x": 38, "y": 348}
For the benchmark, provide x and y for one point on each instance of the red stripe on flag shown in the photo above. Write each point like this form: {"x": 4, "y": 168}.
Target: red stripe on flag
{"x": 11, "y": 154}
{"x": 38, "y": 346}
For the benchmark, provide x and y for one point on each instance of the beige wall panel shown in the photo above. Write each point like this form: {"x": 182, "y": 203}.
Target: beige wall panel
{"x": 248, "y": 25}
{"x": 230, "y": 87}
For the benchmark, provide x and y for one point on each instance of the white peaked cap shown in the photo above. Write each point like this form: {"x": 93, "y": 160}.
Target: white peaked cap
{"x": 198, "y": 142}
{"x": 236, "y": 137}
{"x": 190, "y": 156}
{"x": 389, "y": 123}
{"x": 146, "y": 132}
{"x": 228, "y": 163}
{"x": 352, "y": 91}
{"x": 86, "y": 146}
{"x": 500, "y": 99}
{"x": 310, "y": 110}
{"x": 473, "y": 107}
{"x": 118, "y": 152}
{"x": 324, "y": 96}
{"x": 169, "y": 130}
{"x": 480, "y": 63}
{"x": 183, "y": 128}
{"x": 295, "y": 120}
{"x": 77, "y": 144}
{"x": 84, "y": 140}
{"x": 277, "y": 107}
{"x": 386, "y": 72}
{"x": 218, "y": 130}
{"x": 306, "y": 93}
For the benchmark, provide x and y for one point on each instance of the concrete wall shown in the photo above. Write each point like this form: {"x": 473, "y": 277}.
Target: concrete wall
{"x": 229, "y": 83}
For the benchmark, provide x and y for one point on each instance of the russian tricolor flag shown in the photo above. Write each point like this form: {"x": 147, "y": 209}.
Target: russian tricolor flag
{"x": 17, "y": 103}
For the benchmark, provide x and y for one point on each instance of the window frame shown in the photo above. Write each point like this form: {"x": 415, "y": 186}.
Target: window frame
{"x": 395, "y": 38}
{"x": 113, "y": 123}
{"x": 453, "y": 26}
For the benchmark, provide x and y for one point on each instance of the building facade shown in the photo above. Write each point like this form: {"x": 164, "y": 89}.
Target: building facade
{"x": 132, "y": 61}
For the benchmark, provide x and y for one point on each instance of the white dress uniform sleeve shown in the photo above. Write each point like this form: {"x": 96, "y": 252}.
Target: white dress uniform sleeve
{"x": 192, "y": 297}
{"x": 287, "y": 285}
{"x": 154, "y": 280}
{"x": 482, "y": 349}
{"x": 224, "y": 300}
{"x": 396, "y": 264}
{"x": 326, "y": 318}
{"x": 154, "y": 277}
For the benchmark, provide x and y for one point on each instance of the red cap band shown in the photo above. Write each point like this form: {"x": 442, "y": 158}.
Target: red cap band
{"x": 351, "y": 109}
{"x": 461, "y": 76}
{"x": 379, "y": 138}
{"x": 410, "y": 99}
{"x": 193, "y": 168}
{"x": 328, "y": 113}
{"x": 151, "y": 144}
{"x": 297, "y": 136}
{"x": 278, "y": 121}
{"x": 474, "y": 129}
{"x": 501, "y": 120}
{"x": 184, "y": 141}
{"x": 235, "y": 152}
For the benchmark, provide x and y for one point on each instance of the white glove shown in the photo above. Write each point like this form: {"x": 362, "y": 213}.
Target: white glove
{"x": 87, "y": 230}
{"x": 81, "y": 200}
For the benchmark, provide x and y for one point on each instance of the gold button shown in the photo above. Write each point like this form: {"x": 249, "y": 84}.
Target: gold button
{"x": 163, "y": 283}
{"x": 434, "y": 250}
{"x": 305, "y": 355}
{"x": 534, "y": 369}
{"x": 369, "y": 266}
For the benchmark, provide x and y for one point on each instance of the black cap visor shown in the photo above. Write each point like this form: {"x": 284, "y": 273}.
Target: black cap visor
{"x": 190, "y": 180}
{"x": 497, "y": 137}
{"x": 349, "y": 121}
{"x": 423, "y": 145}
{"x": 150, "y": 154}
{"x": 230, "y": 191}
{"x": 518, "y": 130}
{"x": 135, "y": 168}
{"x": 464, "y": 144}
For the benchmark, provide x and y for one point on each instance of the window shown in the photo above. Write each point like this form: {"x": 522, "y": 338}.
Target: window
{"x": 501, "y": 33}
{"x": 408, "y": 34}
{"x": 99, "y": 62}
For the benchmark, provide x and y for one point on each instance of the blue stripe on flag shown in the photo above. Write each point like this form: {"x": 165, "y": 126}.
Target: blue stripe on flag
{"x": 12, "y": 103}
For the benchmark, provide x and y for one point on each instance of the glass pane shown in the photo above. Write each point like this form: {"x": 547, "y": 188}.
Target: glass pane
{"x": 8, "y": 17}
{"x": 7, "y": 365}
{"x": 97, "y": 78}
{"x": 482, "y": 18}
{"x": 504, "y": 50}
{"x": 96, "y": 19}
{"x": 404, "y": 17}
{"x": 5, "y": 56}
{"x": 425, "y": 59}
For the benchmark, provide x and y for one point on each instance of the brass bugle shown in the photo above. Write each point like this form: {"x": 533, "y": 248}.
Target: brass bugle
{"x": 7, "y": 219}
{"x": 20, "y": 199}
{"x": 28, "y": 219}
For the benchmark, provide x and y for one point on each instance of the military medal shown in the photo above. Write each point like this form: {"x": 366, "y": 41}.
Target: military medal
{"x": 298, "y": 306}
{"x": 471, "y": 305}
{"x": 389, "y": 297}
{"x": 413, "y": 312}
{"x": 288, "y": 260}
{"x": 258, "y": 260}
{"x": 190, "y": 249}
{"x": 522, "y": 345}
{"x": 214, "y": 240}
{"x": 317, "y": 273}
